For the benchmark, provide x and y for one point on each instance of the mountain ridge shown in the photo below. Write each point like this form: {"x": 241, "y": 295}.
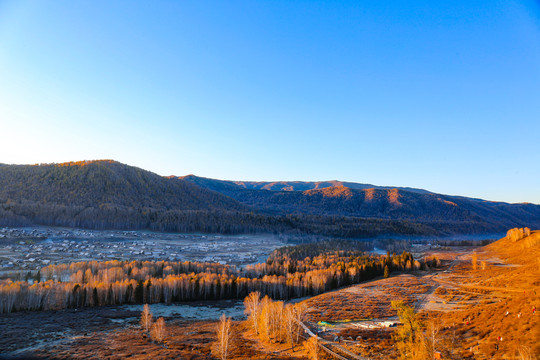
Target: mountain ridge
{"x": 301, "y": 185}
{"x": 108, "y": 194}
{"x": 371, "y": 202}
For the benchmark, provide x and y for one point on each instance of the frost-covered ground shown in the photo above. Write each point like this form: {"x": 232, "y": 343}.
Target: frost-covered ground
{"x": 210, "y": 310}
{"x": 26, "y": 332}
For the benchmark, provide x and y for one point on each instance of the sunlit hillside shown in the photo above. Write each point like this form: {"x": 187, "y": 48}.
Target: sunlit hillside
{"x": 500, "y": 319}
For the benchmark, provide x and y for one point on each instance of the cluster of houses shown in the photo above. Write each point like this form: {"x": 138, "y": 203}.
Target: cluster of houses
{"x": 31, "y": 249}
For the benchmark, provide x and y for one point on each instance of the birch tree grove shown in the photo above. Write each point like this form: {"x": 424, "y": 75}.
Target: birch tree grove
{"x": 116, "y": 282}
{"x": 275, "y": 321}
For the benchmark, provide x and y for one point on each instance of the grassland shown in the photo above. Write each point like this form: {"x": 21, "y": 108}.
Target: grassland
{"x": 482, "y": 311}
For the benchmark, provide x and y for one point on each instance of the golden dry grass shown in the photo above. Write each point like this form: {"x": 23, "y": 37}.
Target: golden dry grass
{"x": 510, "y": 283}
{"x": 368, "y": 300}
{"x": 193, "y": 340}
{"x": 470, "y": 305}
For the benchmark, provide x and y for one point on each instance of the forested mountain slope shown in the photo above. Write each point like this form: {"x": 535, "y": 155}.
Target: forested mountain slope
{"x": 96, "y": 183}
{"x": 107, "y": 194}
{"x": 377, "y": 202}
{"x": 287, "y": 185}
{"x": 315, "y": 185}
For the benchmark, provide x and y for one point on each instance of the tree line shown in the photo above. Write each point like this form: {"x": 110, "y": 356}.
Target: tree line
{"x": 136, "y": 282}
{"x": 120, "y": 217}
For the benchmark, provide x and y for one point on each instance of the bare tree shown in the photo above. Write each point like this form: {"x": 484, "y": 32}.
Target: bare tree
{"x": 433, "y": 327}
{"x": 263, "y": 319}
{"x": 276, "y": 310}
{"x": 293, "y": 316}
{"x": 290, "y": 324}
{"x": 223, "y": 336}
{"x": 300, "y": 311}
{"x": 159, "y": 330}
{"x": 146, "y": 318}
{"x": 524, "y": 353}
{"x": 252, "y": 304}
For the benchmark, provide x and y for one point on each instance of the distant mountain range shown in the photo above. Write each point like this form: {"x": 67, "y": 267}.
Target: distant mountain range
{"x": 107, "y": 194}
{"x": 370, "y": 201}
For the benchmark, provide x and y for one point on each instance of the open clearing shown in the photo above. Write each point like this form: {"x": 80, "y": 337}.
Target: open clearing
{"x": 53, "y": 333}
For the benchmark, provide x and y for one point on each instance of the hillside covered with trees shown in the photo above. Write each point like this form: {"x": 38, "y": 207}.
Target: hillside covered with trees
{"x": 109, "y": 195}
{"x": 335, "y": 198}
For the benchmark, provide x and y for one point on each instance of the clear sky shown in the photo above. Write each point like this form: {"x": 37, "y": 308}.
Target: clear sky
{"x": 440, "y": 95}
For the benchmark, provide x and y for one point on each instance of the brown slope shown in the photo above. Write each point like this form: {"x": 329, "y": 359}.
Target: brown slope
{"x": 518, "y": 248}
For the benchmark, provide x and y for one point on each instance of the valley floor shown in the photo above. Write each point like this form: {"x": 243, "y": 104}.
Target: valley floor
{"x": 482, "y": 311}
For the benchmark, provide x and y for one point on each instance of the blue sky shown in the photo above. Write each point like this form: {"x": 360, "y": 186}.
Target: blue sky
{"x": 441, "y": 95}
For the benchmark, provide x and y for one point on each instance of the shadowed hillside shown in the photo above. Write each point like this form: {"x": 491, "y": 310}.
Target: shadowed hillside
{"x": 107, "y": 194}
{"x": 105, "y": 182}
{"x": 443, "y": 212}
